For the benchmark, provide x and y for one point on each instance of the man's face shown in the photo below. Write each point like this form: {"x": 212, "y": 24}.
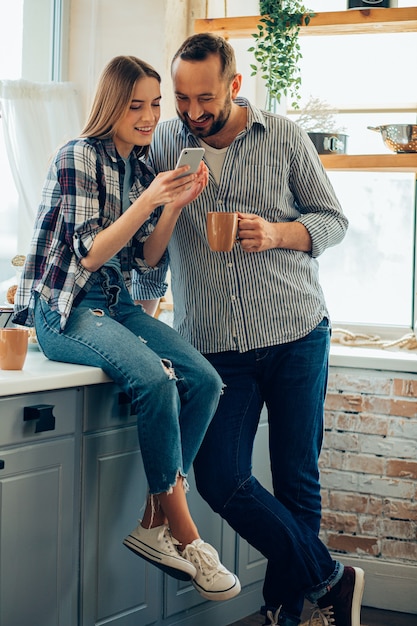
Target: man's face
{"x": 203, "y": 99}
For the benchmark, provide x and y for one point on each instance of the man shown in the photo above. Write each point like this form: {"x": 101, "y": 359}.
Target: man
{"x": 258, "y": 314}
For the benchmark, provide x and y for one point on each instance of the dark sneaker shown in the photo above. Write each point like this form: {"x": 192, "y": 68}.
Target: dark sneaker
{"x": 341, "y": 606}
{"x": 158, "y": 546}
{"x": 212, "y": 580}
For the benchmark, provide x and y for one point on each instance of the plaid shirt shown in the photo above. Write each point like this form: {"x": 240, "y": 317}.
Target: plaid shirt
{"x": 81, "y": 196}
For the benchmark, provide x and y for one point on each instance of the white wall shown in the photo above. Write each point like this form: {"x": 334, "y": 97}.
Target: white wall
{"x": 149, "y": 29}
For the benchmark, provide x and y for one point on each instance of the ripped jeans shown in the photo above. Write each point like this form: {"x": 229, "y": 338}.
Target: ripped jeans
{"x": 173, "y": 389}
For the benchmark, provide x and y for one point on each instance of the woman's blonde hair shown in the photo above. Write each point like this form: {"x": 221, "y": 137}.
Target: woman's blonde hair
{"x": 114, "y": 93}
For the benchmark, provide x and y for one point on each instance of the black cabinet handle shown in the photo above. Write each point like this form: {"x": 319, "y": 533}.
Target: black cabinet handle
{"x": 42, "y": 413}
{"x": 1, "y": 464}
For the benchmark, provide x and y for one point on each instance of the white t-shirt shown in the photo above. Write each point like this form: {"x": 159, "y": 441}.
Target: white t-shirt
{"x": 215, "y": 159}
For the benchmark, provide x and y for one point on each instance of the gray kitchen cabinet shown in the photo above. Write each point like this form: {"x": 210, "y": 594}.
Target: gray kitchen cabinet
{"x": 39, "y": 512}
{"x": 72, "y": 486}
{"x": 118, "y": 587}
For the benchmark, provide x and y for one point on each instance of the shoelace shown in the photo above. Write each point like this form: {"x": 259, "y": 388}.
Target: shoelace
{"x": 322, "y": 617}
{"x": 210, "y": 567}
{"x": 166, "y": 536}
{"x": 273, "y": 617}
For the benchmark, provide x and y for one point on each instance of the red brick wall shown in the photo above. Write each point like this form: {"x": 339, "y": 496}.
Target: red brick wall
{"x": 369, "y": 465}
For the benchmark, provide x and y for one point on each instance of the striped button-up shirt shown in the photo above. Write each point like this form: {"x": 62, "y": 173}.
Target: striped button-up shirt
{"x": 82, "y": 195}
{"x": 238, "y": 300}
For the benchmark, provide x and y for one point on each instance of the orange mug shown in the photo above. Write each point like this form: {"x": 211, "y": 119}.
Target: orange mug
{"x": 221, "y": 230}
{"x": 13, "y": 348}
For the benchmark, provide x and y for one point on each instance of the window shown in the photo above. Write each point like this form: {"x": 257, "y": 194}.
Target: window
{"x": 11, "y": 34}
{"x": 30, "y": 49}
{"x": 368, "y": 279}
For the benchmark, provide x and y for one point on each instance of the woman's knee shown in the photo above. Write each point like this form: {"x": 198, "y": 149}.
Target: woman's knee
{"x": 212, "y": 382}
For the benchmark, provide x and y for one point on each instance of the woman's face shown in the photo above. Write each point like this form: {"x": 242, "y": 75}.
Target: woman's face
{"x": 136, "y": 127}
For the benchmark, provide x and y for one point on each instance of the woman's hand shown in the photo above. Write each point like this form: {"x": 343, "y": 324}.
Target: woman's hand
{"x": 192, "y": 189}
{"x": 168, "y": 189}
{"x": 183, "y": 192}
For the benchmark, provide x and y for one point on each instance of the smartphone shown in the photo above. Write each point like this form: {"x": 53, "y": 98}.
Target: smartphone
{"x": 191, "y": 157}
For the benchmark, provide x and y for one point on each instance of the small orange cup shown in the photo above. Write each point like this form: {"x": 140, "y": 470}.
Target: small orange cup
{"x": 13, "y": 348}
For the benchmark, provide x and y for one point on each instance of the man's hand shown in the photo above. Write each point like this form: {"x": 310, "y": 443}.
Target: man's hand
{"x": 256, "y": 234}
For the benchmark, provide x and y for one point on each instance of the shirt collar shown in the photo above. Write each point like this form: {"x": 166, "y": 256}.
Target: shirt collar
{"x": 110, "y": 148}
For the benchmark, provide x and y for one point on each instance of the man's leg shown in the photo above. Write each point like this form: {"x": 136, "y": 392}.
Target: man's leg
{"x": 293, "y": 383}
{"x": 223, "y": 469}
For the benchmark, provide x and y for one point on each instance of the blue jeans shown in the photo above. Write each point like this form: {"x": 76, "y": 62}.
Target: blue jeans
{"x": 291, "y": 380}
{"x": 173, "y": 389}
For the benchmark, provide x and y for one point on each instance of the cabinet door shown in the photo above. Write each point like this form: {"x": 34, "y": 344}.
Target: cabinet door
{"x": 38, "y": 535}
{"x": 117, "y": 587}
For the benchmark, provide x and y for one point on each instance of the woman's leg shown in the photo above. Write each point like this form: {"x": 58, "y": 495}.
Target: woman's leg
{"x": 93, "y": 338}
{"x": 199, "y": 385}
{"x": 173, "y": 389}
{"x": 172, "y": 509}
{"x": 172, "y": 418}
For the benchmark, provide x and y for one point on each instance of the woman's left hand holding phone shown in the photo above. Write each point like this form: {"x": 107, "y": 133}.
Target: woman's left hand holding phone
{"x": 182, "y": 191}
{"x": 175, "y": 192}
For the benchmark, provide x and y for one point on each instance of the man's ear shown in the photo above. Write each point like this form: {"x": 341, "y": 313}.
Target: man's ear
{"x": 236, "y": 85}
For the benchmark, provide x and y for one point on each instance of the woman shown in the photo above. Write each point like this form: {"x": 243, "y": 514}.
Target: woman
{"x": 101, "y": 216}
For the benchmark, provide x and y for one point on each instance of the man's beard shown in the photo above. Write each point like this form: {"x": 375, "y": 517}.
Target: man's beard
{"x": 215, "y": 127}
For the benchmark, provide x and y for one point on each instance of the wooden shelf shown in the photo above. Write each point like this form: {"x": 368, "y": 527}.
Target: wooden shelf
{"x": 370, "y": 162}
{"x": 349, "y": 22}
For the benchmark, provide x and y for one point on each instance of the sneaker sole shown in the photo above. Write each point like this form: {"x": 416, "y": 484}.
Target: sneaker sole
{"x": 357, "y": 596}
{"x": 177, "y": 568}
{"x": 227, "y": 594}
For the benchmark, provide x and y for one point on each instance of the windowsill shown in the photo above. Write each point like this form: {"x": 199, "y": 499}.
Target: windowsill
{"x": 374, "y": 358}
{"x": 392, "y": 359}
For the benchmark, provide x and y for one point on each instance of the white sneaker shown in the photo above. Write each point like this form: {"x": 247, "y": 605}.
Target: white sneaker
{"x": 157, "y": 546}
{"x": 212, "y": 580}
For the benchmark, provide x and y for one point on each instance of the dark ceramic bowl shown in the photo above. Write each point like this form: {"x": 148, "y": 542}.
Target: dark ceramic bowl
{"x": 329, "y": 143}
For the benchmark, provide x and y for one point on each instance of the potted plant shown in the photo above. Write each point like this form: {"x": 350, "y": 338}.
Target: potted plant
{"x": 277, "y": 49}
{"x": 318, "y": 119}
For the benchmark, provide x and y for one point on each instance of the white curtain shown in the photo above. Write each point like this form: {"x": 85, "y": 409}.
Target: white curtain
{"x": 37, "y": 118}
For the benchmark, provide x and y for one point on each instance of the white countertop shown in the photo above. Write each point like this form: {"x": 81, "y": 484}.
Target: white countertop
{"x": 41, "y": 374}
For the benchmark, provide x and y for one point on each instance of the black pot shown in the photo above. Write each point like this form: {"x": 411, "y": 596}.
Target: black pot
{"x": 329, "y": 143}
{"x": 371, "y": 4}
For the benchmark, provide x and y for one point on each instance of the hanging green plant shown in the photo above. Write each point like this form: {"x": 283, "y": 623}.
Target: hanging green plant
{"x": 277, "y": 49}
